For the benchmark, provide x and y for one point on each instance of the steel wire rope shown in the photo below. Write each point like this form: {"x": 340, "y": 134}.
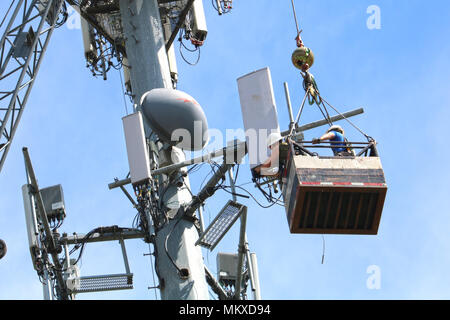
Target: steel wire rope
{"x": 351, "y": 123}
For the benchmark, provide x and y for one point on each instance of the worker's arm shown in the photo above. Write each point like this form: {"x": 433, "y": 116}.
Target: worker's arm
{"x": 326, "y": 136}
{"x": 266, "y": 164}
{"x": 273, "y": 159}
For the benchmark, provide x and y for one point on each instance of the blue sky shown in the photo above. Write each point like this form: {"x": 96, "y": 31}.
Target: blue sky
{"x": 399, "y": 74}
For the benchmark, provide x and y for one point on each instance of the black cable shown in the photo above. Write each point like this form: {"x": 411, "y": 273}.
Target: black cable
{"x": 65, "y": 16}
{"x": 251, "y": 195}
{"x": 82, "y": 246}
{"x": 215, "y": 5}
{"x": 167, "y": 251}
{"x": 192, "y": 168}
{"x": 222, "y": 7}
{"x": 213, "y": 163}
{"x": 233, "y": 193}
{"x": 197, "y": 48}
{"x": 204, "y": 179}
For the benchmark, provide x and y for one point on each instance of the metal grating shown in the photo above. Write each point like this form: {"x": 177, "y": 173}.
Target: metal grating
{"x": 220, "y": 225}
{"x": 334, "y": 195}
{"x": 337, "y": 210}
{"x": 105, "y": 283}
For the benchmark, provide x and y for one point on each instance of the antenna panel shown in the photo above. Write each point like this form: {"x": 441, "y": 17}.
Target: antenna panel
{"x": 259, "y": 113}
{"x": 138, "y": 158}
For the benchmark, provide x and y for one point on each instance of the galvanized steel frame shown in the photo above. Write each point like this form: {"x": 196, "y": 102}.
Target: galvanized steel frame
{"x": 20, "y": 73}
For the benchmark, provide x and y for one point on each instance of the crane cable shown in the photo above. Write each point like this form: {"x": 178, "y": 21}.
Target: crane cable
{"x": 312, "y": 90}
{"x": 309, "y": 83}
{"x": 295, "y": 17}
{"x": 299, "y": 31}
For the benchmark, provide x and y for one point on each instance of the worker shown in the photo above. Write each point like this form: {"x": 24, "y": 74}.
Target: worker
{"x": 339, "y": 146}
{"x": 271, "y": 166}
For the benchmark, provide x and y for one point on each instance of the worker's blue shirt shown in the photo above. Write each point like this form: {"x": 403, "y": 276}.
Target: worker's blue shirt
{"x": 338, "y": 137}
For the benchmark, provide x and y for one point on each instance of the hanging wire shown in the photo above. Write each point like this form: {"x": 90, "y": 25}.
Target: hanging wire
{"x": 323, "y": 249}
{"x": 65, "y": 15}
{"x": 214, "y": 4}
{"x": 197, "y": 49}
{"x": 275, "y": 201}
{"x": 223, "y": 6}
{"x": 167, "y": 250}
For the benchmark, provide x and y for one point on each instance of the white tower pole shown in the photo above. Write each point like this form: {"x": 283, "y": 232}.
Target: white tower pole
{"x": 175, "y": 248}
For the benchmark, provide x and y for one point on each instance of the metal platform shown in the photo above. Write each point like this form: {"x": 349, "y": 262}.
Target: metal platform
{"x": 334, "y": 195}
{"x": 104, "y": 283}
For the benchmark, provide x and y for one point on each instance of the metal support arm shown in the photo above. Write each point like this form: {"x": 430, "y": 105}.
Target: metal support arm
{"x": 319, "y": 123}
{"x": 97, "y": 237}
{"x": 208, "y": 190}
{"x": 238, "y": 148}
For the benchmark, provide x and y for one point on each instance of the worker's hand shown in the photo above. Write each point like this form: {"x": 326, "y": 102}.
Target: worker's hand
{"x": 316, "y": 140}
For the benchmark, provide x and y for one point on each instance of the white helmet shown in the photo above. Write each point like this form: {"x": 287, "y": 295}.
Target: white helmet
{"x": 273, "y": 138}
{"x": 336, "y": 128}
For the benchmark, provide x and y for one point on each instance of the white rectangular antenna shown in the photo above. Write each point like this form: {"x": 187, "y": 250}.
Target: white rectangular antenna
{"x": 88, "y": 40}
{"x": 138, "y": 157}
{"x": 259, "y": 112}
{"x": 198, "y": 21}
{"x": 31, "y": 221}
{"x": 126, "y": 74}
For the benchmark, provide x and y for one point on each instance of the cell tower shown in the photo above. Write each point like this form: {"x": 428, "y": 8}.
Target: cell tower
{"x": 340, "y": 194}
{"x": 118, "y": 34}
